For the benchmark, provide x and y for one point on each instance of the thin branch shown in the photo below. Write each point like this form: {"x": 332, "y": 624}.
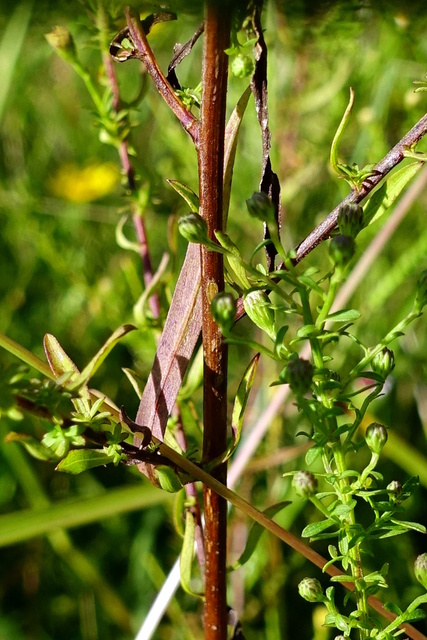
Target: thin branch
{"x": 144, "y": 53}
{"x": 128, "y": 170}
{"x": 392, "y": 159}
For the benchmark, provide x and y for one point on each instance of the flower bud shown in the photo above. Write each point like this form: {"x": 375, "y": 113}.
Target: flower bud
{"x": 376, "y": 437}
{"x": 341, "y": 250}
{"x": 258, "y": 308}
{"x": 61, "y": 40}
{"x": 223, "y": 310}
{"x": 194, "y": 228}
{"x": 420, "y": 569}
{"x": 304, "y": 484}
{"x": 421, "y": 292}
{"x": 260, "y": 207}
{"x": 311, "y": 590}
{"x": 242, "y": 66}
{"x": 383, "y": 363}
{"x": 299, "y": 375}
{"x": 394, "y": 489}
{"x": 350, "y": 219}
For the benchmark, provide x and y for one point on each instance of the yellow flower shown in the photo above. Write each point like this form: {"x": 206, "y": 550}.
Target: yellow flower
{"x": 84, "y": 184}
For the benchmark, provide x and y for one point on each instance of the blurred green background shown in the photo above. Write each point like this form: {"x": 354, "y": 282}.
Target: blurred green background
{"x": 62, "y": 272}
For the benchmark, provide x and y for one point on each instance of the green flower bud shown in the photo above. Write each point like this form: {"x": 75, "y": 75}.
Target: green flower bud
{"x": 394, "y": 489}
{"x": 304, "y": 484}
{"x": 258, "y": 308}
{"x": 223, "y": 310}
{"x": 376, "y": 437}
{"x": 260, "y": 207}
{"x": 61, "y": 40}
{"x": 350, "y": 220}
{"x": 299, "y": 375}
{"x": 383, "y": 363}
{"x": 341, "y": 250}
{"x": 420, "y": 569}
{"x": 194, "y": 228}
{"x": 421, "y": 292}
{"x": 311, "y": 590}
{"x": 242, "y": 66}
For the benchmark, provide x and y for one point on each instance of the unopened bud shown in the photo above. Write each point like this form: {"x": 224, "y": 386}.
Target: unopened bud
{"x": 420, "y": 569}
{"x": 311, "y": 590}
{"x": 194, "y": 228}
{"x": 299, "y": 375}
{"x": 304, "y": 484}
{"x": 383, "y": 363}
{"x": 62, "y": 41}
{"x": 223, "y": 310}
{"x": 258, "y": 308}
{"x": 376, "y": 437}
{"x": 394, "y": 489}
{"x": 350, "y": 219}
{"x": 421, "y": 292}
{"x": 260, "y": 207}
{"x": 341, "y": 250}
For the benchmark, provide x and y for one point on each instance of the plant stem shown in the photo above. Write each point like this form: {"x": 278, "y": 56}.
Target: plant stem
{"x": 127, "y": 167}
{"x": 145, "y": 54}
{"x": 211, "y": 161}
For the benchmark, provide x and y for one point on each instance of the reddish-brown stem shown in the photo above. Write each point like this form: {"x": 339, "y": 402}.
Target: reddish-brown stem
{"x": 211, "y": 161}
{"x": 138, "y": 220}
{"x": 393, "y": 157}
{"x": 145, "y": 54}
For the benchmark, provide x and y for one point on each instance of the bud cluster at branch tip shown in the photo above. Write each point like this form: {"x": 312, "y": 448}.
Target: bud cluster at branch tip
{"x": 383, "y": 363}
{"x": 376, "y": 437}
{"x": 311, "y": 590}
{"x": 223, "y": 310}
{"x": 420, "y": 569}
{"x": 299, "y": 375}
{"x": 260, "y": 207}
{"x": 304, "y": 484}
{"x": 350, "y": 219}
{"x": 194, "y": 228}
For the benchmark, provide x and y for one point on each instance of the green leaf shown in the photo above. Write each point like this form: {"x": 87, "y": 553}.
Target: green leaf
{"x": 315, "y": 528}
{"x": 241, "y": 401}
{"x": 78, "y": 461}
{"x": 103, "y": 352}
{"x": 188, "y": 194}
{"x": 345, "y": 315}
{"x": 385, "y": 196}
{"x": 58, "y": 360}
{"x": 34, "y": 447}
{"x": 230, "y": 146}
{"x": 413, "y": 526}
{"x": 234, "y": 260}
{"x": 121, "y": 239}
{"x": 391, "y": 606}
{"x": 187, "y": 552}
{"x": 255, "y": 534}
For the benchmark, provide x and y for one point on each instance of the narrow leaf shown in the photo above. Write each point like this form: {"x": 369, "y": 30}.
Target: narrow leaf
{"x": 188, "y": 194}
{"x": 315, "y": 528}
{"x": 345, "y": 315}
{"x": 187, "y": 552}
{"x": 231, "y": 136}
{"x": 103, "y": 352}
{"x": 78, "y": 460}
{"x": 241, "y": 401}
{"x": 384, "y": 197}
{"x": 58, "y": 360}
{"x": 255, "y": 534}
